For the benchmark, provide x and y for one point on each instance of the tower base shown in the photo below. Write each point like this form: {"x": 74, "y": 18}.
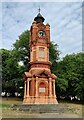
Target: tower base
{"x": 40, "y": 100}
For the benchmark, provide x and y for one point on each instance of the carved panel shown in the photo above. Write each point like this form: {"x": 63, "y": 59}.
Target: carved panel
{"x": 41, "y": 52}
{"x": 42, "y": 90}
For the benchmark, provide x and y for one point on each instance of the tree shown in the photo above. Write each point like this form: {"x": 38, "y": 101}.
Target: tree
{"x": 53, "y": 56}
{"x": 71, "y": 70}
{"x": 5, "y": 55}
{"x": 21, "y": 48}
{"x": 9, "y": 71}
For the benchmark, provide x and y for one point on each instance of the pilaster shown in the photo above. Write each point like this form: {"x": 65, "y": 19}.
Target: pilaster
{"x": 36, "y": 87}
{"x": 50, "y": 87}
{"x": 27, "y": 87}
{"x": 54, "y": 88}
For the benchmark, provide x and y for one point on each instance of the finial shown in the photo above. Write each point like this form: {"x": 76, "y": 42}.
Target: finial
{"x": 39, "y": 9}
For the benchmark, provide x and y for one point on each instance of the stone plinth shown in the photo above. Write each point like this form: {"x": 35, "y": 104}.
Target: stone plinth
{"x": 40, "y": 100}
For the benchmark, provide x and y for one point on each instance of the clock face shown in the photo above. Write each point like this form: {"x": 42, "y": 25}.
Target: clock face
{"x": 41, "y": 33}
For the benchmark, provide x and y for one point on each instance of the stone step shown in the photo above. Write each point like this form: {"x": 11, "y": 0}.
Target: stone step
{"x": 41, "y": 108}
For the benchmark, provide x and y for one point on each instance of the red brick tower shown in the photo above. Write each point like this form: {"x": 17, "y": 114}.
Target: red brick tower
{"x": 39, "y": 81}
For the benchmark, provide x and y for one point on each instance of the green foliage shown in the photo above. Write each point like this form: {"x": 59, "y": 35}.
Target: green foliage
{"x": 10, "y": 72}
{"x": 21, "y": 48}
{"x": 53, "y": 56}
{"x": 71, "y": 70}
{"x": 4, "y": 54}
{"x": 62, "y": 84}
{"x": 53, "y": 52}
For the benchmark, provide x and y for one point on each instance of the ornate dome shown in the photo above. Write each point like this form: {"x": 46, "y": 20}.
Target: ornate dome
{"x": 39, "y": 18}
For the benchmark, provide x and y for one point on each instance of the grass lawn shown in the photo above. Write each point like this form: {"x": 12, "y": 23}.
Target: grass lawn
{"x": 7, "y": 102}
{"x": 7, "y": 111}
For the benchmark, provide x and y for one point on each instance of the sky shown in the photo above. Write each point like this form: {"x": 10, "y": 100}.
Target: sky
{"x": 65, "y": 19}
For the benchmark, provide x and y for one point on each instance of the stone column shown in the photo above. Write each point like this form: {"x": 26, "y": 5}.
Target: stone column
{"x": 50, "y": 86}
{"x": 54, "y": 88}
{"x": 36, "y": 86}
{"x": 24, "y": 89}
{"x": 33, "y": 87}
{"x": 27, "y": 87}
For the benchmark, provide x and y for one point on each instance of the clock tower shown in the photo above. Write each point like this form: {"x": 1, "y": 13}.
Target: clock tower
{"x": 39, "y": 82}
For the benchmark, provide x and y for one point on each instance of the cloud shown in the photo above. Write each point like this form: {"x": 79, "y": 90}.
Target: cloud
{"x": 0, "y": 24}
{"x": 42, "y": 1}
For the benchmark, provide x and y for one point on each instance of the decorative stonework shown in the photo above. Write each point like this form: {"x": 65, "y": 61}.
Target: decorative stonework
{"x": 39, "y": 82}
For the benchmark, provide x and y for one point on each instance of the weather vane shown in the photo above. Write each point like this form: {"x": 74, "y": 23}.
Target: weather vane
{"x": 39, "y": 9}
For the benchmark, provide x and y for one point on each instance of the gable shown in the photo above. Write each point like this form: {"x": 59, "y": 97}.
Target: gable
{"x": 44, "y": 75}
